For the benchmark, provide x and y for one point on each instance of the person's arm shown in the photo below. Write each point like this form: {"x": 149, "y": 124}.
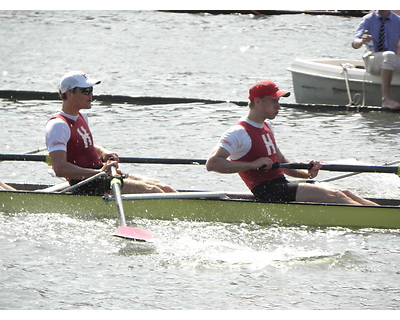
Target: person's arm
{"x": 63, "y": 168}
{"x": 361, "y": 37}
{"x": 299, "y": 173}
{"x": 105, "y": 154}
{"x": 358, "y": 42}
{"x": 218, "y": 162}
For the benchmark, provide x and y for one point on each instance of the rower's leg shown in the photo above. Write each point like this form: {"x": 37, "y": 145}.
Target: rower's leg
{"x": 317, "y": 192}
{"x": 137, "y": 184}
{"x": 134, "y": 186}
{"x": 359, "y": 199}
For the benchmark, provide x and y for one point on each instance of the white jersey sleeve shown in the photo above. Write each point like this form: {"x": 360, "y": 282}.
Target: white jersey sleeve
{"x": 58, "y": 133}
{"x": 236, "y": 141}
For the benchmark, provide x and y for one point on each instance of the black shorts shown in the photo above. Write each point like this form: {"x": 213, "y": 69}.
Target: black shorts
{"x": 93, "y": 188}
{"x": 277, "y": 190}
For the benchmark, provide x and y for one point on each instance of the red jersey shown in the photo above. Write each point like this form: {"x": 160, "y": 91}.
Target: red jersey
{"x": 263, "y": 145}
{"x": 80, "y": 147}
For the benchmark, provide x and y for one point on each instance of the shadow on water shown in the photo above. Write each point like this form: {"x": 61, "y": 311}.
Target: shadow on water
{"x": 134, "y": 248}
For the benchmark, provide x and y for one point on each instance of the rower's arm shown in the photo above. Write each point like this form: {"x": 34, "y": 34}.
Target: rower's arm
{"x": 63, "y": 168}
{"x": 104, "y": 153}
{"x": 218, "y": 162}
{"x": 296, "y": 173}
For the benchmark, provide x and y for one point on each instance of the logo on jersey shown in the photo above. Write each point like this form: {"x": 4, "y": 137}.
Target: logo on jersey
{"x": 85, "y": 137}
{"x": 269, "y": 144}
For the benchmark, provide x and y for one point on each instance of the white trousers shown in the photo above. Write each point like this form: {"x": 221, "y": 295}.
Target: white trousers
{"x": 387, "y": 60}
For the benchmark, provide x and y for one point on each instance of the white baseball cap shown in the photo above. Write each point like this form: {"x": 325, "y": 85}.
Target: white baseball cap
{"x": 76, "y": 79}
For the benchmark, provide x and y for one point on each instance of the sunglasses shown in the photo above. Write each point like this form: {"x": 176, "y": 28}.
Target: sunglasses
{"x": 86, "y": 91}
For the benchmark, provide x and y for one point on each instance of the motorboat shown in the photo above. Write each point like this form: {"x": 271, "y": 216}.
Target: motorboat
{"x": 338, "y": 82}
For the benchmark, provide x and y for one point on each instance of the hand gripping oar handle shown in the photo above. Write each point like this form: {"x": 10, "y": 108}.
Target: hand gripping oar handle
{"x": 341, "y": 167}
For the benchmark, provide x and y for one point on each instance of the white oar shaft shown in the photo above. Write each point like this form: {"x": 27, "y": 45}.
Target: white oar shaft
{"x": 124, "y": 231}
{"x": 96, "y": 176}
{"x": 116, "y": 188}
{"x": 340, "y": 177}
{"x": 178, "y": 195}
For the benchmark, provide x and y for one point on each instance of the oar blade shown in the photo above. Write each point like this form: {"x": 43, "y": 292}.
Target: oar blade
{"x": 135, "y": 234}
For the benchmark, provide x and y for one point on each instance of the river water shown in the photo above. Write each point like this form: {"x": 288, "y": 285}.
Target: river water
{"x": 51, "y": 261}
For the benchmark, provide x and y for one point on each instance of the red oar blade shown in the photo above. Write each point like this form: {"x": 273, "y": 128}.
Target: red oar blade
{"x": 133, "y": 234}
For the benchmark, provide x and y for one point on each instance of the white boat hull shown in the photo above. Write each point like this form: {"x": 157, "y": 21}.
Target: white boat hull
{"x": 338, "y": 82}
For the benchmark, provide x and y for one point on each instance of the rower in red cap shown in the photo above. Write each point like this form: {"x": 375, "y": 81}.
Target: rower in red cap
{"x": 251, "y": 148}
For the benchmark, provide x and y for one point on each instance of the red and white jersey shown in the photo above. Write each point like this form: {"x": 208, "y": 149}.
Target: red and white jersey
{"x": 247, "y": 141}
{"x": 72, "y": 134}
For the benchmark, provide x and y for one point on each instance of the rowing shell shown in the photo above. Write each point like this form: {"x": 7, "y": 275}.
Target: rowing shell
{"x": 206, "y": 206}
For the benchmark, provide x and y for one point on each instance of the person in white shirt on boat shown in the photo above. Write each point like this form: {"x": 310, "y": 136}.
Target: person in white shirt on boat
{"x": 382, "y": 28}
{"x": 252, "y": 150}
{"x": 73, "y": 154}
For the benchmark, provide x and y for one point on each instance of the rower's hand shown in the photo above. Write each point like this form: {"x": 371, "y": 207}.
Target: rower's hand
{"x": 263, "y": 163}
{"x": 111, "y": 156}
{"x": 313, "y": 172}
{"x": 108, "y": 164}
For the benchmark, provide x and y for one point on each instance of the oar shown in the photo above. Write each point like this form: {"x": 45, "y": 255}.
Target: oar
{"x": 341, "y": 167}
{"x": 176, "y": 195}
{"x": 329, "y": 167}
{"x": 36, "y": 151}
{"x": 81, "y": 183}
{"x": 162, "y": 160}
{"x": 352, "y": 174}
{"x": 46, "y": 158}
{"x": 124, "y": 231}
{"x": 25, "y": 157}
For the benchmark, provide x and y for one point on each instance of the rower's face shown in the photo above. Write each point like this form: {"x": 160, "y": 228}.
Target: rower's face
{"x": 82, "y": 97}
{"x": 269, "y": 107}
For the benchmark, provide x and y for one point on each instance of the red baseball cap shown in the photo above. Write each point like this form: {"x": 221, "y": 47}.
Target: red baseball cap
{"x": 266, "y": 88}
